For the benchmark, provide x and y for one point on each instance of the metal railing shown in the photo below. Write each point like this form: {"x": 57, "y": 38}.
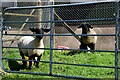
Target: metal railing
{"x": 51, "y": 7}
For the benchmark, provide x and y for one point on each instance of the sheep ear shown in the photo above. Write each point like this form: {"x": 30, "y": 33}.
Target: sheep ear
{"x": 89, "y": 26}
{"x": 46, "y": 30}
{"x": 32, "y": 29}
{"x": 80, "y": 26}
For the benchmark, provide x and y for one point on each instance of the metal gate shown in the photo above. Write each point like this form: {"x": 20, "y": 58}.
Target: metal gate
{"x": 55, "y": 18}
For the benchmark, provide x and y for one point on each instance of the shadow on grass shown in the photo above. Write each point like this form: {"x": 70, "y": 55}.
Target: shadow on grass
{"x": 14, "y": 65}
{"x": 73, "y": 53}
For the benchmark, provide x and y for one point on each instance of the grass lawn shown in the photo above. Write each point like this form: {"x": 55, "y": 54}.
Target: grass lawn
{"x": 98, "y": 58}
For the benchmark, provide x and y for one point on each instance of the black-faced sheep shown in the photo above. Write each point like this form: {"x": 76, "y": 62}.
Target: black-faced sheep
{"x": 36, "y": 42}
{"x": 87, "y": 41}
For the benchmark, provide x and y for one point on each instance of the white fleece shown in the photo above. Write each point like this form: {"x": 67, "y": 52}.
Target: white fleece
{"x": 90, "y": 39}
{"x": 29, "y": 41}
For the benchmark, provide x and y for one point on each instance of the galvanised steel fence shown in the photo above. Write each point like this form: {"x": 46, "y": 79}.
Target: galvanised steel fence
{"x": 60, "y": 19}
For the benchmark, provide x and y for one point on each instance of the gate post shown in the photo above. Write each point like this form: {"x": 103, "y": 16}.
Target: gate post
{"x": 0, "y": 48}
{"x": 0, "y": 42}
{"x": 116, "y": 40}
{"x": 51, "y": 38}
{"x": 0, "y": 56}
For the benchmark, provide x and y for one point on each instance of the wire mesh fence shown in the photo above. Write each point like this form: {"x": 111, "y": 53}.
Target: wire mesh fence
{"x": 84, "y": 12}
{"x": 101, "y": 16}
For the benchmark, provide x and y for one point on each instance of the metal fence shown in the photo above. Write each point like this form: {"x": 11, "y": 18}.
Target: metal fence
{"x": 63, "y": 21}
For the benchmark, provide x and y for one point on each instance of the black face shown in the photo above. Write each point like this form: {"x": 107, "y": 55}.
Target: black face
{"x": 85, "y": 28}
{"x": 39, "y": 31}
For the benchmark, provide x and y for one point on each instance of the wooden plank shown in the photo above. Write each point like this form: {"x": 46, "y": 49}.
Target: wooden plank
{"x": 17, "y": 14}
{"x": 68, "y": 28}
{"x": 11, "y": 40}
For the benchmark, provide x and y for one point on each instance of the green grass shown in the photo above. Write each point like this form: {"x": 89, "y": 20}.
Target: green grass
{"x": 98, "y": 58}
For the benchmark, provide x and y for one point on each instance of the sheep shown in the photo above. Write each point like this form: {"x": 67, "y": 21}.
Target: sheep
{"x": 29, "y": 41}
{"x": 87, "y": 41}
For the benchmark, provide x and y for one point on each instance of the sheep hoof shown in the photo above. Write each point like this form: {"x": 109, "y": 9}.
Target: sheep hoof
{"x": 24, "y": 67}
{"x": 29, "y": 68}
{"x": 37, "y": 66}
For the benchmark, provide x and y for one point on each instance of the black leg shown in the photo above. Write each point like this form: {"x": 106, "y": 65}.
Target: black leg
{"x": 83, "y": 46}
{"x": 38, "y": 59}
{"x": 92, "y": 47}
{"x": 24, "y": 62}
{"x": 34, "y": 61}
{"x": 30, "y": 63}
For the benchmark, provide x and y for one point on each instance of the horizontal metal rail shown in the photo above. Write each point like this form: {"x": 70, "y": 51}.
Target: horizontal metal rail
{"x": 55, "y": 6}
{"x": 26, "y": 22}
{"x": 63, "y": 63}
{"x": 60, "y": 49}
{"x": 101, "y": 19}
{"x": 60, "y": 34}
{"x": 27, "y": 34}
{"x": 46, "y": 74}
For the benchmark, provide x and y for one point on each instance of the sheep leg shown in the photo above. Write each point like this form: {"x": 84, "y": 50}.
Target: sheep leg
{"x": 38, "y": 59}
{"x": 92, "y": 47}
{"x": 34, "y": 61}
{"x": 24, "y": 62}
{"x": 83, "y": 46}
{"x": 30, "y": 63}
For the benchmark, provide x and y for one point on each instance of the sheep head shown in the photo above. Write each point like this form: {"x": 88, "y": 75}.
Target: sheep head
{"x": 39, "y": 31}
{"x": 85, "y": 27}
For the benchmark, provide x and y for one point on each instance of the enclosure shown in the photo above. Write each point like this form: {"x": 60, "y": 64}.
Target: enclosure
{"x": 63, "y": 56}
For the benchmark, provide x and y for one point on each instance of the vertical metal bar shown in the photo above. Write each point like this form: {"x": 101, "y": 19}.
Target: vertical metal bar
{"x": 51, "y": 38}
{"x": 1, "y": 41}
{"x": 116, "y": 41}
